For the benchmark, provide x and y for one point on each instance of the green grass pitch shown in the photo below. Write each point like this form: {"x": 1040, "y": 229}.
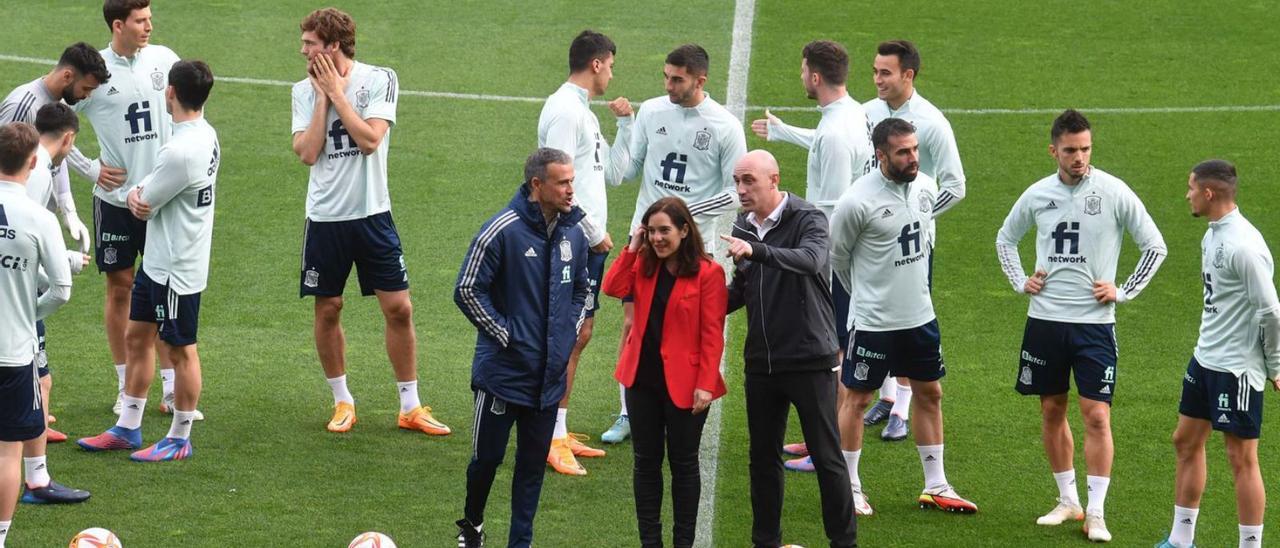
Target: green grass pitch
{"x": 267, "y": 474}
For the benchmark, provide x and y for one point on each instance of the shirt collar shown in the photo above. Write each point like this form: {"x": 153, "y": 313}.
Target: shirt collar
{"x": 773, "y": 217}
{"x": 906, "y": 105}
{"x": 12, "y": 186}
{"x": 44, "y": 88}
{"x": 180, "y": 126}
{"x": 579, "y": 91}
{"x": 838, "y": 103}
{"x": 1225, "y": 220}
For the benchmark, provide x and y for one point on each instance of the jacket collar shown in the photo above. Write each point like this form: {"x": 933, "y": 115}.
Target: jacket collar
{"x": 531, "y": 213}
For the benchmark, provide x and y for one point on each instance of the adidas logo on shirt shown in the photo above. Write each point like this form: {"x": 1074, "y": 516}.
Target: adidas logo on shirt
{"x": 1052, "y": 205}
{"x": 112, "y": 91}
{"x": 531, "y": 253}
{"x": 662, "y": 130}
{"x": 887, "y": 213}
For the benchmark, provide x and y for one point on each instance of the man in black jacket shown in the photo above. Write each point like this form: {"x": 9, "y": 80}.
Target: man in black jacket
{"x": 779, "y": 244}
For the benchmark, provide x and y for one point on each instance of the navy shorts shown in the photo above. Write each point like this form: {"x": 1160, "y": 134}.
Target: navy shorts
{"x": 595, "y": 276}
{"x": 42, "y": 357}
{"x": 914, "y": 353}
{"x": 1052, "y": 351}
{"x": 840, "y": 303}
{"x": 177, "y": 316}
{"x": 120, "y": 237}
{"x": 1223, "y": 399}
{"x": 21, "y": 416}
{"x": 329, "y": 249}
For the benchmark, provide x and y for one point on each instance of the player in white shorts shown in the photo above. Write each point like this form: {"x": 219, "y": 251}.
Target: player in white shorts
{"x": 1236, "y": 356}
{"x": 342, "y": 118}
{"x": 567, "y": 123}
{"x": 683, "y": 144}
{"x": 177, "y": 201}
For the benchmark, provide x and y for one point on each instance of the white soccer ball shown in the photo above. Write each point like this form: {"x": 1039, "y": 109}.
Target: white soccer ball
{"x": 372, "y": 540}
{"x": 95, "y": 537}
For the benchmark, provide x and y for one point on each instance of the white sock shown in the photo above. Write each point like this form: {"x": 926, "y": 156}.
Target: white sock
{"x": 622, "y": 392}
{"x": 931, "y": 458}
{"x": 340, "y": 394}
{"x": 37, "y": 471}
{"x": 181, "y": 425}
{"x": 889, "y": 389}
{"x": 120, "y": 376}
{"x": 1097, "y": 492}
{"x": 4, "y": 531}
{"x": 131, "y": 415}
{"x": 1067, "y": 486}
{"x": 1183, "y": 532}
{"x": 166, "y": 379}
{"x": 851, "y": 459}
{"x": 408, "y": 395}
{"x": 902, "y": 405}
{"x": 1250, "y": 536}
{"x": 562, "y": 430}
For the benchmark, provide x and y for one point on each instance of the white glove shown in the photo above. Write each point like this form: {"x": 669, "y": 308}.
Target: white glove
{"x": 79, "y": 232}
{"x": 76, "y": 260}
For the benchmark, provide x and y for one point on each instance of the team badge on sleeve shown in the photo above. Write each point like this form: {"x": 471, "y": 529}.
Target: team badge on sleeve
{"x": 566, "y": 251}
{"x": 702, "y": 140}
{"x": 1093, "y": 204}
{"x": 157, "y": 81}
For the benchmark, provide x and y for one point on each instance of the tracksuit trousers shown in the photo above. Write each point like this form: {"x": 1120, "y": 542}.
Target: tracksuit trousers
{"x": 492, "y": 429}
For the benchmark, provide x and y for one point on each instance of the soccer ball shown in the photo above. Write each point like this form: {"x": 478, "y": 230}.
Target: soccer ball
{"x": 372, "y": 540}
{"x": 95, "y": 537}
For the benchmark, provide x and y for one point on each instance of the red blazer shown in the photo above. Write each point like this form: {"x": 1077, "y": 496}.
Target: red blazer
{"x": 692, "y": 330}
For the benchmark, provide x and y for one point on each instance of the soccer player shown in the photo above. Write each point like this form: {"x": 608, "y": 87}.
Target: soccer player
{"x": 839, "y": 152}
{"x": 177, "y": 201}
{"x": 129, "y": 118}
{"x": 880, "y": 240}
{"x": 342, "y": 117}
{"x": 684, "y": 144}
{"x": 896, "y": 66}
{"x": 567, "y": 124}
{"x": 57, "y": 125}
{"x": 1080, "y": 214}
{"x": 30, "y": 240}
{"x": 1236, "y": 356}
{"x": 523, "y": 284}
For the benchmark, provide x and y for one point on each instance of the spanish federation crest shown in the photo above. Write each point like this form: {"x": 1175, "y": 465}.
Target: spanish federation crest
{"x": 566, "y": 251}
{"x": 1025, "y": 377}
{"x": 109, "y": 255}
{"x": 926, "y": 203}
{"x": 1093, "y": 204}
{"x": 1219, "y": 257}
{"x": 362, "y": 98}
{"x": 157, "y": 81}
{"x": 311, "y": 278}
{"x": 860, "y": 372}
{"x": 702, "y": 140}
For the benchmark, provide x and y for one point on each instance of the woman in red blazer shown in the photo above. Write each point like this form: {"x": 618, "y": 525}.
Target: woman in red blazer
{"x": 670, "y": 362}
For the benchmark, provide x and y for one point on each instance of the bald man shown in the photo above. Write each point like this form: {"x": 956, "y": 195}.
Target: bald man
{"x": 779, "y": 245}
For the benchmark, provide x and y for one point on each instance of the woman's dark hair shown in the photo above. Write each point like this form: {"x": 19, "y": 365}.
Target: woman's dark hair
{"x": 690, "y": 254}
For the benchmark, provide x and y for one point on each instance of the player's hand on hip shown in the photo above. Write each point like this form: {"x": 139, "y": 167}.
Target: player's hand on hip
{"x": 605, "y": 245}
{"x": 621, "y": 107}
{"x": 110, "y": 178}
{"x": 1104, "y": 292}
{"x": 738, "y": 249}
{"x": 1035, "y": 283}
{"x": 638, "y": 237}
{"x": 139, "y": 208}
{"x": 701, "y": 400}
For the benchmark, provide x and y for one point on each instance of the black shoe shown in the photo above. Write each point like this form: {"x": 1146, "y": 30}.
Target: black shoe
{"x": 878, "y": 413}
{"x": 469, "y": 536}
{"x": 54, "y": 493}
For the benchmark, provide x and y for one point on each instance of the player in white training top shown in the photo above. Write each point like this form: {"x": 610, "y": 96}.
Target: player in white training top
{"x": 1236, "y": 356}
{"x": 30, "y": 240}
{"x": 1080, "y": 214}
{"x": 177, "y": 201}
{"x": 881, "y": 237}
{"x": 683, "y": 144}
{"x": 342, "y": 117}
{"x": 57, "y": 125}
{"x": 896, "y": 66}
{"x": 567, "y": 123}
{"x": 128, "y": 117}
{"x": 839, "y": 152}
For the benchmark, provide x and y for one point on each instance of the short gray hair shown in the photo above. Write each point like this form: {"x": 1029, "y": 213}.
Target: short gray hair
{"x": 536, "y": 164}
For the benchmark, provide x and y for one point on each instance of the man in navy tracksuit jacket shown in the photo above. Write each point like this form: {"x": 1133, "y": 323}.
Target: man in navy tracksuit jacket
{"x": 523, "y": 284}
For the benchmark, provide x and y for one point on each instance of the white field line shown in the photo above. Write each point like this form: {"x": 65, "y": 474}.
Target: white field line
{"x": 744, "y": 13}
{"x": 749, "y": 108}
